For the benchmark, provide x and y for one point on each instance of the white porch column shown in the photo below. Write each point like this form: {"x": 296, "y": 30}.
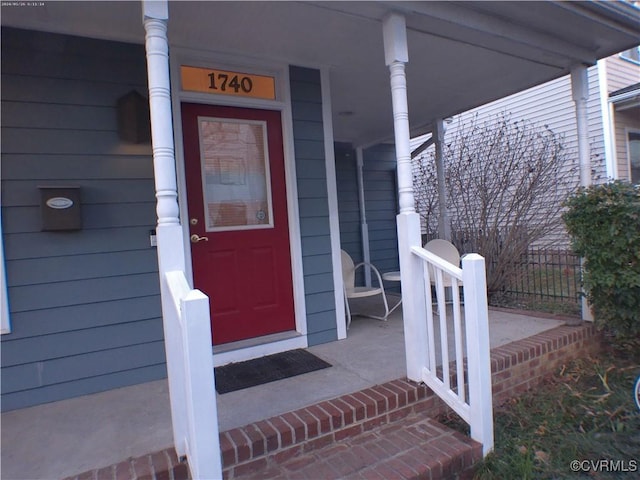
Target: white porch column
{"x": 364, "y": 227}
{"x": 444, "y": 227}
{"x": 413, "y": 306}
{"x": 168, "y": 231}
{"x": 580, "y": 94}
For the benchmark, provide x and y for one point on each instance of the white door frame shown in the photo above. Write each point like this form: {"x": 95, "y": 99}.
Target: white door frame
{"x": 283, "y": 105}
{"x": 5, "y": 320}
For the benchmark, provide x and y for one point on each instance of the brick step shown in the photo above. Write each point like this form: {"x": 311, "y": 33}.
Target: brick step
{"x": 515, "y": 367}
{"x": 413, "y": 447}
{"x": 299, "y": 433}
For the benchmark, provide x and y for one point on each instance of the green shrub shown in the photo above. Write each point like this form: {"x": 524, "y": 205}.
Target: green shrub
{"x": 604, "y": 224}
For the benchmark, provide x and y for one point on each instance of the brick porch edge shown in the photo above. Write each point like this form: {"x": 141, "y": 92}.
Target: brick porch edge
{"x": 516, "y": 367}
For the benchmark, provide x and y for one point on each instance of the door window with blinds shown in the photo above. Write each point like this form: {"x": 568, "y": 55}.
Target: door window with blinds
{"x": 236, "y": 185}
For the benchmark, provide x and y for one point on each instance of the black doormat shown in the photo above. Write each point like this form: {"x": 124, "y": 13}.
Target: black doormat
{"x": 259, "y": 371}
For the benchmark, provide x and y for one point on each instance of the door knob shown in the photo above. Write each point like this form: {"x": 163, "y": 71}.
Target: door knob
{"x": 197, "y": 238}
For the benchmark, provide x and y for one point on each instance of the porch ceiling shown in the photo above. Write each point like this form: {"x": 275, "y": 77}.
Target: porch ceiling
{"x": 461, "y": 54}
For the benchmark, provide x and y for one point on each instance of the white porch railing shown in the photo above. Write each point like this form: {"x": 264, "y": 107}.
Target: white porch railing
{"x": 193, "y": 401}
{"x": 463, "y": 380}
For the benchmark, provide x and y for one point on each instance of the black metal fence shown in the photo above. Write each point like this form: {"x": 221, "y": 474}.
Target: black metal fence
{"x": 545, "y": 280}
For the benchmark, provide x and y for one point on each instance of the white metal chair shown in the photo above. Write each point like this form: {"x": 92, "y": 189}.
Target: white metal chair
{"x": 353, "y": 292}
{"x": 447, "y": 251}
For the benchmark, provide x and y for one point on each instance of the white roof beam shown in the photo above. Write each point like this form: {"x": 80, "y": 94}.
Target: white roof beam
{"x": 624, "y": 12}
{"x": 496, "y": 27}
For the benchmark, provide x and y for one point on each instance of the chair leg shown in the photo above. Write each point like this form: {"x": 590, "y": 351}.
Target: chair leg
{"x": 346, "y": 305}
{"x": 398, "y": 303}
{"x": 387, "y": 311}
{"x": 386, "y": 306}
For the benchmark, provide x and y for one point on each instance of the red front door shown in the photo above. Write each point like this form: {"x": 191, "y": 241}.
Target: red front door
{"x": 236, "y": 192}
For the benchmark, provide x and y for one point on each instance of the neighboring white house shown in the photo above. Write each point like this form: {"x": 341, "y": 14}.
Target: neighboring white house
{"x": 613, "y": 117}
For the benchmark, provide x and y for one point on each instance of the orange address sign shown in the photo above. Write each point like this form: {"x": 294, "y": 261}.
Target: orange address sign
{"x": 223, "y": 82}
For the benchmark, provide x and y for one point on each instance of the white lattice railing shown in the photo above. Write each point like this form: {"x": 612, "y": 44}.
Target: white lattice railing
{"x": 458, "y": 370}
{"x": 191, "y": 378}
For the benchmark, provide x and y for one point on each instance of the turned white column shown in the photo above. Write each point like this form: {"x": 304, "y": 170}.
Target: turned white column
{"x": 157, "y": 49}
{"x": 412, "y": 283}
{"x": 444, "y": 228}
{"x": 168, "y": 232}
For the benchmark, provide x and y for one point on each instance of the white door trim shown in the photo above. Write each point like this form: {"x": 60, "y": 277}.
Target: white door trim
{"x": 282, "y": 104}
{"x": 5, "y": 320}
{"x": 332, "y": 200}
{"x": 608, "y": 135}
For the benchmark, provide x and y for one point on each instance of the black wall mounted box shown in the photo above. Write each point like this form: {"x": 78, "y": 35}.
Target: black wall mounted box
{"x": 60, "y": 207}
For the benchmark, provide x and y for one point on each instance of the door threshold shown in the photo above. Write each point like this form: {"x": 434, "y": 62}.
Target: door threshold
{"x": 250, "y": 348}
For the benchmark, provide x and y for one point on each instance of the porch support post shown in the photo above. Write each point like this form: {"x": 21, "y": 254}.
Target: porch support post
{"x": 364, "y": 227}
{"x": 580, "y": 93}
{"x": 444, "y": 227}
{"x": 411, "y": 276}
{"x": 168, "y": 232}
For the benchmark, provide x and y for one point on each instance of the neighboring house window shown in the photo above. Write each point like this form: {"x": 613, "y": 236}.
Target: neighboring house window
{"x": 633, "y": 55}
{"x": 634, "y": 156}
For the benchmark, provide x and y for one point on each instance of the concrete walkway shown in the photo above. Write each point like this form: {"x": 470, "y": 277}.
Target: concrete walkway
{"x": 64, "y": 438}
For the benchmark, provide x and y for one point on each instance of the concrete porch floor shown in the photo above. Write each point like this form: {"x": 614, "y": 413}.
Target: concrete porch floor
{"x": 64, "y": 438}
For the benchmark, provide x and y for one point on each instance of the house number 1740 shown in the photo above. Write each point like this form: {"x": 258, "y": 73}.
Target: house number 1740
{"x": 224, "y": 82}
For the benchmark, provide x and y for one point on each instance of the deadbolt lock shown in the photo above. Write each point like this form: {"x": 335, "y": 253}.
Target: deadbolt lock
{"x": 193, "y": 221}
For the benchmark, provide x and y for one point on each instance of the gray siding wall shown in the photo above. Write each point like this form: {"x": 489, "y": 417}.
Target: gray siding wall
{"x": 348, "y": 202}
{"x": 381, "y": 203}
{"x": 308, "y": 132}
{"x": 85, "y": 306}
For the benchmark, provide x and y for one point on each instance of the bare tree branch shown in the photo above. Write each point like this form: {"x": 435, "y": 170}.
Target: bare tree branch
{"x": 506, "y": 181}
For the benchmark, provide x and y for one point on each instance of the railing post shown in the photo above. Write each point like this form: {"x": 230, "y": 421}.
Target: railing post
{"x": 478, "y": 350}
{"x": 413, "y": 306}
{"x": 204, "y": 442}
{"x": 172, "y": 286}
{"x": 413, "y": 299}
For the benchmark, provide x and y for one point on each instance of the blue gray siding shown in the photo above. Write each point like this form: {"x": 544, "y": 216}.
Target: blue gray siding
{"x": 381, "y": 203}
{"x": 85, "y": 305}
{"x": 348, "y": 201}
{"x": 308, "y": 131}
